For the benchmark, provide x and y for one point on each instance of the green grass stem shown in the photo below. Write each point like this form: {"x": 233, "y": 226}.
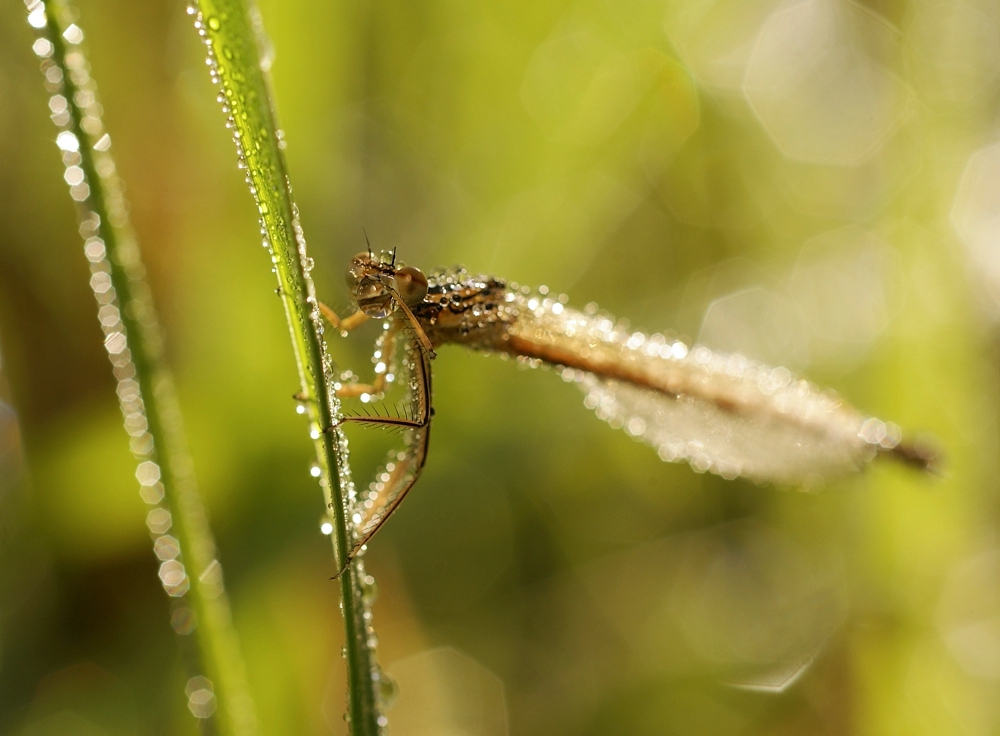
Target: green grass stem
{"x": 232, "y": 31}
{"x": 189, "y": 570}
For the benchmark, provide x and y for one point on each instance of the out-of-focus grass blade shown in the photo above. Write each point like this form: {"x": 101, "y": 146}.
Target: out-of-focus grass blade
{"x": 191, "y": 575}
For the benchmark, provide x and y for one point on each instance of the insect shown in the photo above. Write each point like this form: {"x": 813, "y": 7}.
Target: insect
{"x": 722, "y": 413}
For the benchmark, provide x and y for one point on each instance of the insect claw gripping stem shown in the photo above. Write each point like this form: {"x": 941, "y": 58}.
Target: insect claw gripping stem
{"x": 347, "y": 563}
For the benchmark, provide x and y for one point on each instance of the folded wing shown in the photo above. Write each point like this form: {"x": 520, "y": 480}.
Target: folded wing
{"x": 721, "y": 413}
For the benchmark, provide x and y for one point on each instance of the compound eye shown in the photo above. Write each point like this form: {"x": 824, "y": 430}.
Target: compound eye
{"x": 372, "y": 297}
{"x": 411, "y": 285}
{"x": 361, "y": 266}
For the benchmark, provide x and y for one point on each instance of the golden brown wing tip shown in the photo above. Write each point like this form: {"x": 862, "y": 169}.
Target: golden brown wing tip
{"x": 918, "y": 454}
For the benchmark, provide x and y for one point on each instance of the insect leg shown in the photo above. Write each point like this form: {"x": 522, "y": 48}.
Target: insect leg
{"x": 346, "y": 324}
{"x": 403, "y": 468}
{"x": 421, "y": 378}
{"x": 377, "y": 386}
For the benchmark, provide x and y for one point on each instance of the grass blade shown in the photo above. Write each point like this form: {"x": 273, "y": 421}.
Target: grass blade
{"x": 190, "y": 572}
{"x": 232, "y": 32}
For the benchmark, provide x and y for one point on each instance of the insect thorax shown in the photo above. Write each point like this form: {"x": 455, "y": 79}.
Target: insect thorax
{"x": 470, "y": 310}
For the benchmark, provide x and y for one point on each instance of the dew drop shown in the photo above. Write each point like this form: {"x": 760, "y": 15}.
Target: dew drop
{"x": 36, "y": 18}
{"x": 369, "y": 590}
{"x": 43, "y": 48}
{"x": 73, "y": 33}
{"x": 387, "y": 688}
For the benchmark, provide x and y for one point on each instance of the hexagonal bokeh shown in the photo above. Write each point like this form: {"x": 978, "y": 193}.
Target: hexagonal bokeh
{"x": 444, "y": 692}
{"x": 578, "y": 88}
{"x": 742, "y": 600}
{"x": 968, "y": 615}
{"x": 758, "y": 323}
{"x": 846, "y": 286}
{"x": 815, "y": 82}
{"x": 738, "y": 593}
{"x": 954, "y": 51}
{"x": 715, "y": 38}
{"x": 976, "y": 218}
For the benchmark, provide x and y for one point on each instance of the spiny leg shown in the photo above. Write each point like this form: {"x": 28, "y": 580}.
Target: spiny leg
{"x": 422, "y": 380}
{"x": 401, "y": 473}
{"x": 403, "y": 469}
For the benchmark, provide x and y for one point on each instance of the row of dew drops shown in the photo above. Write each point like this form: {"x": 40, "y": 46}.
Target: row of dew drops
{"x": 385, "y": 688}
{"x": 159, "y": 519}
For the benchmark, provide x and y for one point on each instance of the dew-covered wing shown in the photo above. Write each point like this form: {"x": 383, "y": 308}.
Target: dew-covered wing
{"x": 405, "y": 358}
{"x": 721, "y": 413}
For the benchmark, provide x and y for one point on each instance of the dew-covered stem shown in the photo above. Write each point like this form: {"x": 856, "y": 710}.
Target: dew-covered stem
{"x": 182, "y": 540}
{"x": 238, "y": 59}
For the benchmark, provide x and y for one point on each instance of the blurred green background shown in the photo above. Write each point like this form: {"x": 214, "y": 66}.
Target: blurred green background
{"x": 811, "y": 183}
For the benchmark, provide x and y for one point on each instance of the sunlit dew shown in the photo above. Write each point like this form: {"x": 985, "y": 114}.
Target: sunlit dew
{"x": 721, "y": 412}
{"x": 101, "y": 281}
{"x": 201, "y": 697}
{"x": 261, "y": 177}
{"x": 84, "y": 146}
{"x": 183, "y": 620}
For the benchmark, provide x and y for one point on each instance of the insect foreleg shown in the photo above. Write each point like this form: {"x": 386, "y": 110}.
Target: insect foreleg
{"x": 401, "y": 472}
{"x": 346, "y": 324}
{"x": 388, "y": 362}
{"x": 422, "y": 399}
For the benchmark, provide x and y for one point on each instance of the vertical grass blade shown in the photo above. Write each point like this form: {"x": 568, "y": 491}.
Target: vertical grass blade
{"x": 189, "y": 570}
{"x": 233, "y": 35}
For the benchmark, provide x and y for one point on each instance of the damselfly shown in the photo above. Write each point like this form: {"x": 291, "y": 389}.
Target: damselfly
{"x": 724, "y": 414}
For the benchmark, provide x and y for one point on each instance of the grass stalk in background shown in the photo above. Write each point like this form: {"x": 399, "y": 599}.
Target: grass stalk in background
{"x": 233, "y": 34}
{"x": 189, "y": 570}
